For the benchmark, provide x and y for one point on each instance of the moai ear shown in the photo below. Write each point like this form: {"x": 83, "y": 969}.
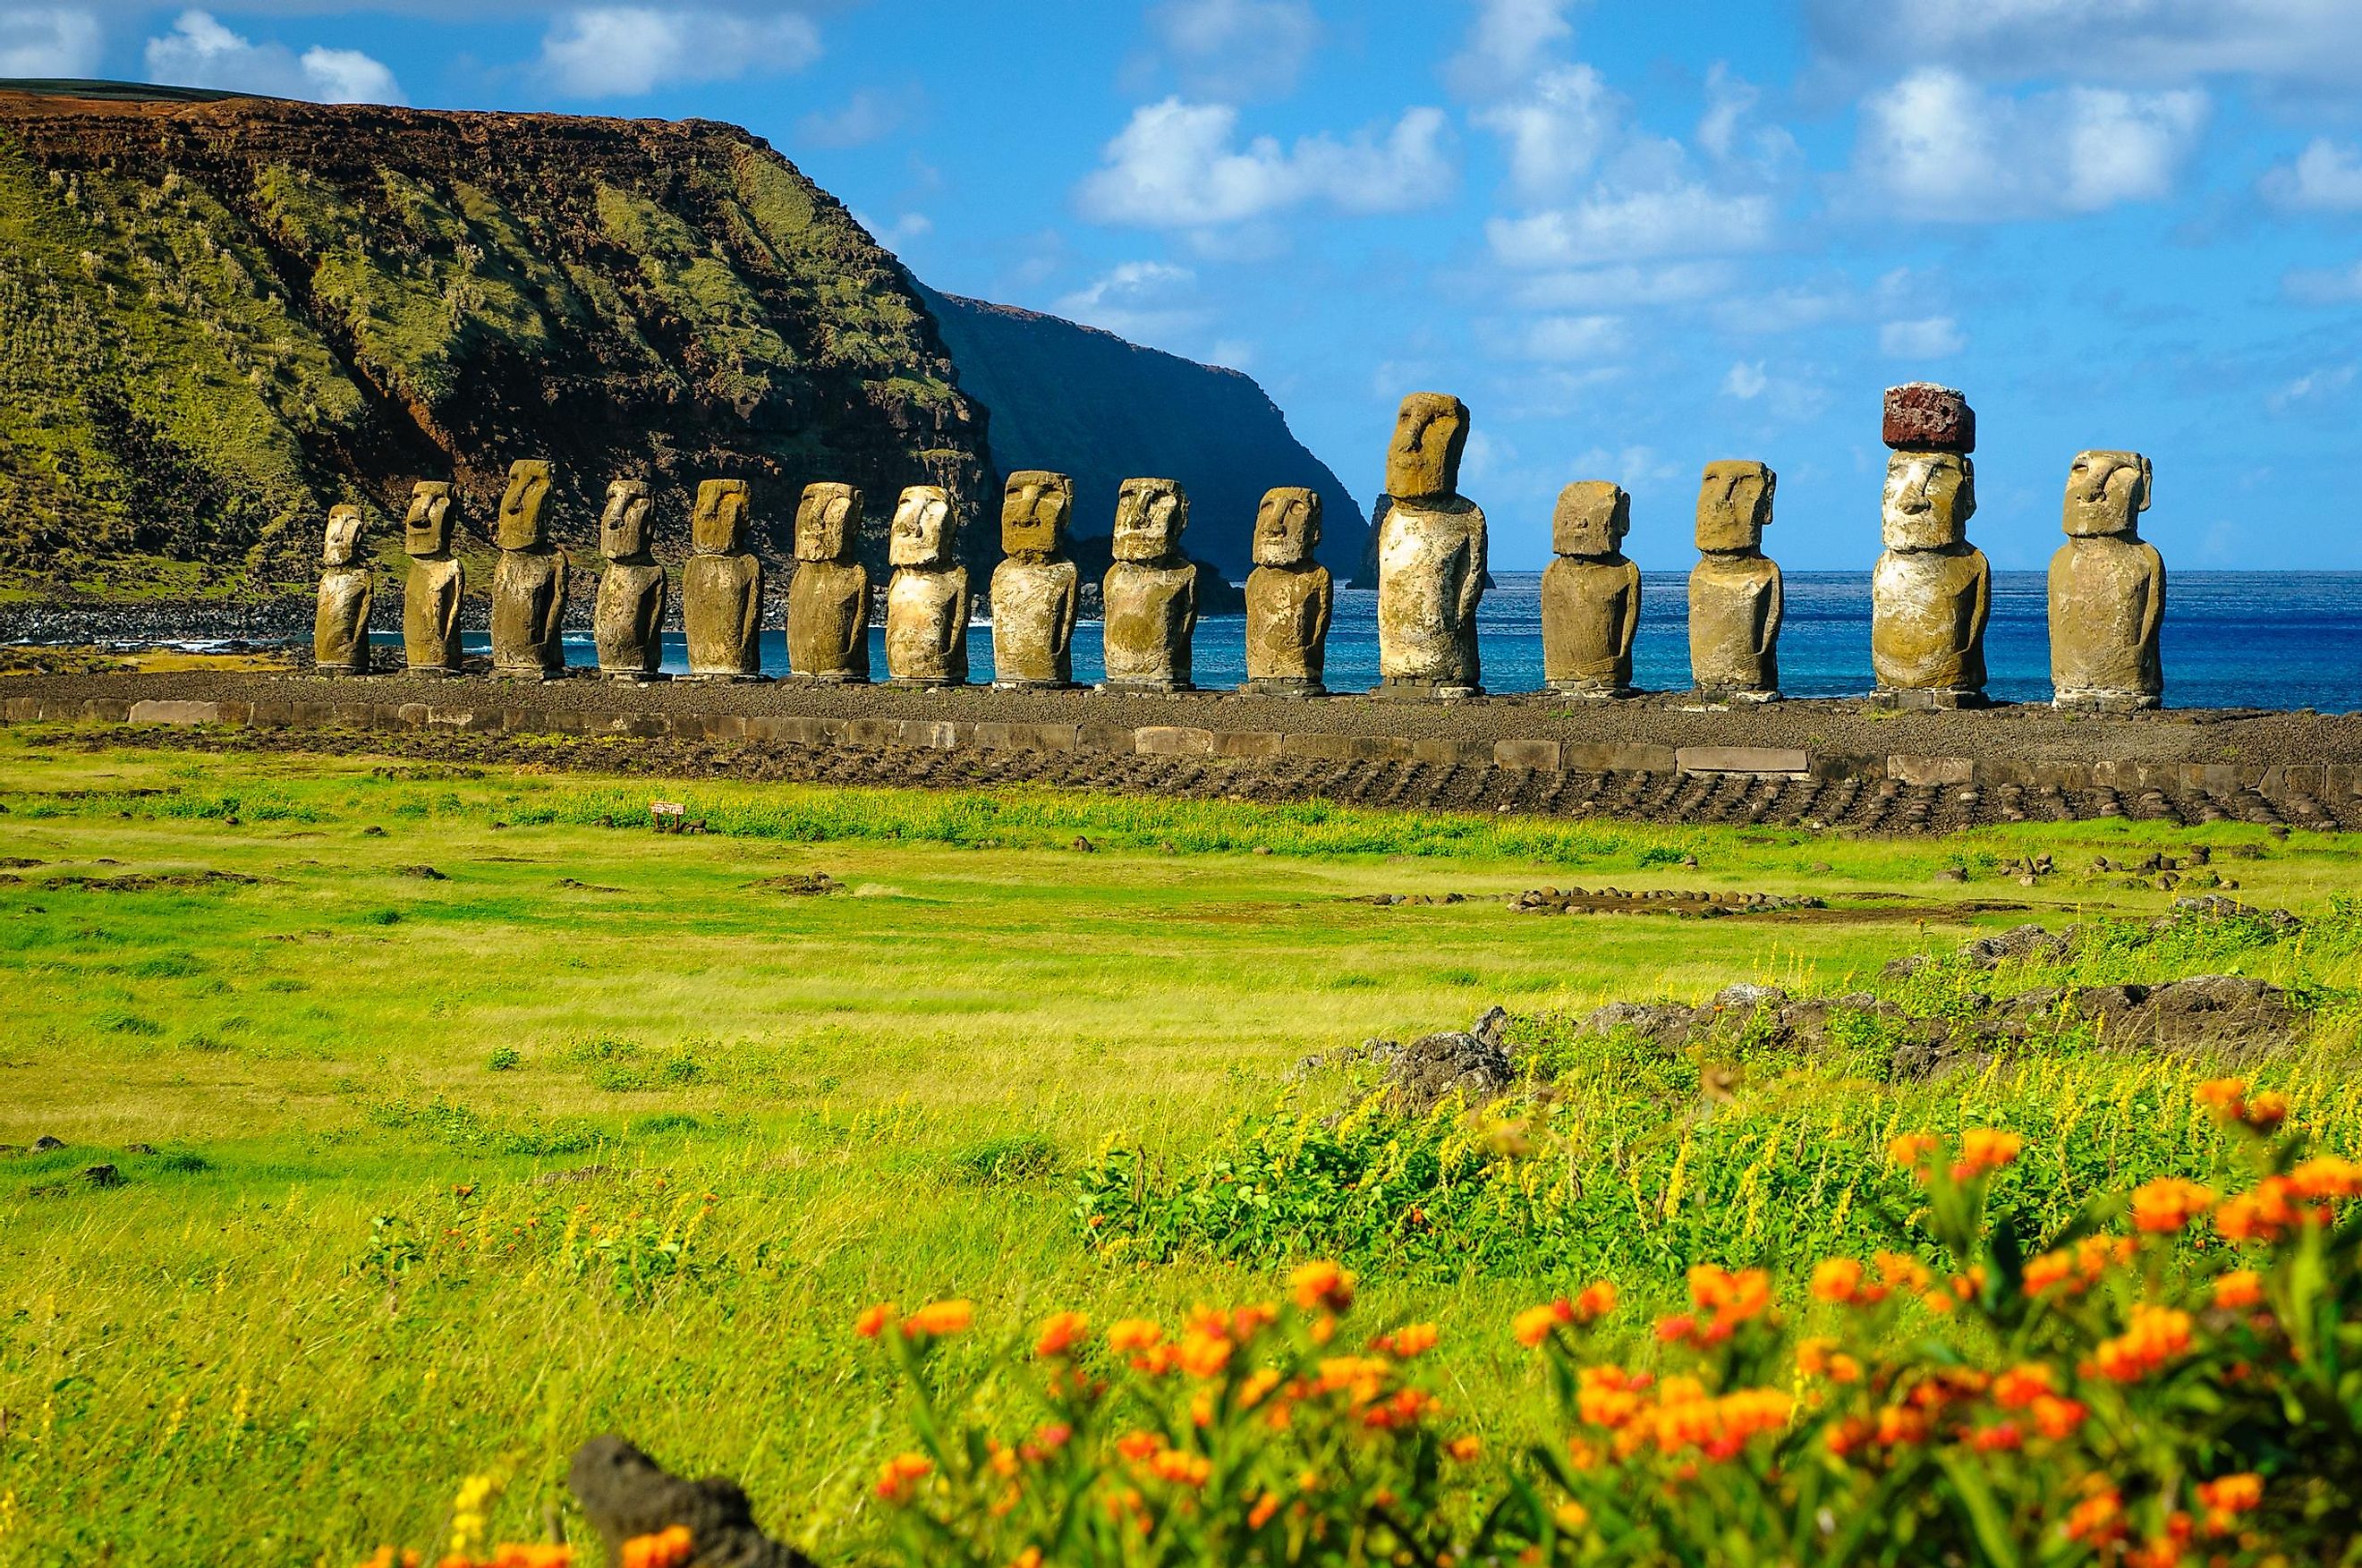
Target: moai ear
{"x": 2147, "y": 482}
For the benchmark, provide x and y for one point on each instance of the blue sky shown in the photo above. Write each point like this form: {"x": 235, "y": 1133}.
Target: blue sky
{"x": 1634, "y": 236}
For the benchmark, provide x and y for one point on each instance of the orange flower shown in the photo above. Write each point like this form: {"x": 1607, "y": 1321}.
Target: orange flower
{"x": 900, "y": 1473}
{"x": 1910, "y": 1150}
{"x": 1322, "y": 1285}
{"x": 669, "y": 1548}
{"x": 1984, "y": 1150}
{"x": 874, "y": 1321}
{"x": 2154, "y": 1336}
{"x": 2240, "y": 1288}
{"x": 2225, "y": 1096}
{"x": 1571, "y": 1516}
{"x": 2168, "y": 1203}
{"x": 2021, "y": 1386}
{"x": 2225, "y": 1497}
{"x": 2265, "y": 1109}
{"x": 2057, "y": 1418}
{"x": 1204, "y": 1354}
{"x": 2097, "y": 1519}
{"x": 1129, "y": 1334}
{"x": 1597, "y": 1299}
{"x": 1029, "y": 1558}
{"x": 1414, "y": 1338}
{"x": 1534, "y": 1324}
{"x": 1047, "y": 1439}
{"x": 2264, "y": 1213}
{"x": 1260, "y": 1515}
{"x": 1181, "y": 1468}
{"x": 1844, "y": 1281}
{"x": 1465, "y": 1447}
{"x": 2001, "y": 1437}
{"x": 2326, "y": 1176}
{"x": 938, "y": 1317}
{"x": 1731, "y": 1298}
{"x": 1676, "y": 1329}
{"x": 1060, "y": 1331}
{"x": 1140, "y": 1445}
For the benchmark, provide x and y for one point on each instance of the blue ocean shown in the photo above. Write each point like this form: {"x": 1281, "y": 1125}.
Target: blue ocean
{"x": 2231, "y": 640}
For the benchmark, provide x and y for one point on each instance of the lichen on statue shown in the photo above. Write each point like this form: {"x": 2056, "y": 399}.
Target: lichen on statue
{"x": 530, "y": 582}
{"x": 1431, "y": 557}
{"x": 927, "y": 598}
{"x": 1289, "y": 597}
{"x": 1150, "y": 590}
{"x": 1738, "y": 597}
{"x": 1590, "y": 593}
{"x": 1035, "y": 589}
{"x": 828, "y": 601}
{"x": 340, "y": 643}
{"x": 721, "y": 587}
{"x": 628, "y": 620}
{"x": 2107, "y": 591}
{"x": 433, "y": 585}
{"x": 1931, "y": 593}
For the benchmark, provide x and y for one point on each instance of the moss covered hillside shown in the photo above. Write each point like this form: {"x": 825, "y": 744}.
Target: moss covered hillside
{"x": 217, "y": 316}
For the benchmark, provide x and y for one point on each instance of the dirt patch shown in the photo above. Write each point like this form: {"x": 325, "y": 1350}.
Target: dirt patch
{"x": 143, "y": 881}
{"x": 798, "y": 884}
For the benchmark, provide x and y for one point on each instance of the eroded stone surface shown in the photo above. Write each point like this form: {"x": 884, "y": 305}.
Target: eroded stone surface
{"x": 1924, "y": 417}
{"x": 1590, "y": 593}
{"x": 1151, "y": 591}
{"x": 1290, "y": 597}
{"x": 1431, "y": 553}
{"x": 1932, "y": 591}
{"x": 828, "y": 602}
{"x": 340, "y": 624}
{"x": 627, "y": 622}
{"x": 927, "y": 599}
{"x": 721, "y": 587}
{"x": 1737, "y": 595}
{"x": 433, "y": 585}
{"x": 2107, "y": 590}
{"x": 626, "y": 1494}
{"x": 1035, "y": 590}
{"x": 529, "y": 584}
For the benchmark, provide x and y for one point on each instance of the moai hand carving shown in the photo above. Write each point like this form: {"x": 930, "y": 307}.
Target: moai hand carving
{"x": 628, "y": 623}
{"x": 1590, "y": 593}
{"x": 340, "y": 627}
{"x": 926, "y": 600}
{"x": 2107, "y": 591}
{"x": 436, "y": 583}
{"x": 1035, "y": 595}
{"x": 1737, "y": 596}
{"x": 1151, "y": 591}
{"x": 1431, "y": 556}
{"x": 828, "y": 602}
{"x": 529, "y": 585}
{"x": 722, "y": 588}
{"x": 1932, "y": 593}
{"x": 1289, "y": 597}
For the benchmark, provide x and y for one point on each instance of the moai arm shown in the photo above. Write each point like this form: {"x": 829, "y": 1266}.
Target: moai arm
{"x": 1189, "y": 607}
{"x": 750, "y": 602}
{"x": 1069, "y": 610}
{"x": 2153, "y": 617}
{"x": 856, "y": 625}
{"x": 1471, "y": 586}
{"x": 1983, "y": 610}
{"x": 1775, "y": 607}
{"x": 554, "y": 617}
{"x": 1324, "y": 605}
{"x": 453, "y": 588}
{"x": 962, "y": 605}
{"x": 1633, "y": 608}
{"x": 651, "y": 628}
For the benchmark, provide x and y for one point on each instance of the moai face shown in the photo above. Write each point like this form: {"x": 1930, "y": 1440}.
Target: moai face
{"x": 519, "y": 526}
{"x": 342, "y": 542}
{"x": 1431, "y": 431}
{"x": 1034, "y": 511}
{"x": 2106, "y": 493}
{"x": 1734, "y": 507}
{"x": 427, "y": 527}
{"x": 1592, "y": 518}
{"x": 922, "y": 535}
{"x": 623, "y": 526}
{"x": 718, "y": 526}
{"x": 1287, "y": 526}
{"x": 1930, "y": 495}
{"x": 1148, "y": 517}
{"x": 828, "y": 520}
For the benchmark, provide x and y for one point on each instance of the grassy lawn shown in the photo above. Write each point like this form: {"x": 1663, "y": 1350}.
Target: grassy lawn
{"x": 702, "y": 1119}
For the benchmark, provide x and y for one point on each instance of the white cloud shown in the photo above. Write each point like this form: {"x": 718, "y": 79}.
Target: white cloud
{"x": 2325, "y": 178}
{"x": 1238, "y": 48}
{"x": 2324, "y": 285}
{"x": 624, "y": 51}
{"x": 200, "y": 52}
{"x": 1938, "y": 146}
{"x": 2317, "y": 42}
{"x": 1634, "y": 467}
{"x": 900, "y": 232}
{"x": 1929, "y": 337}
{"x": 1573, "y": 338}
{"x": 866, "y": 116}
{"x": 1745, "y": 381}
{"x": 1597, "y": 288}
{"x": 1679, "y": 220}
{"x": 1510, "y": 41}
{"x": 1728, "y": 100}
{"x": 49, "y": 41}
{"x": 2319, "y": 386}
{"x": 1558, "y": 131}
{"x": 1176, "y": 166}
{"x": 1142, "y": 300}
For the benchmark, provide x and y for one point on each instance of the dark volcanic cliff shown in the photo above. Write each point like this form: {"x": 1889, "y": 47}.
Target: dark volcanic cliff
{"x": 1087, "y": 403}
{"x": 219, "y": 315}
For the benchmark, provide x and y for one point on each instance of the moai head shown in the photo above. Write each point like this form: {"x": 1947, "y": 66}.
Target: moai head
{"x": 1734, "y": 507}
{"x": 828, "y": 520}
{"x": 427, "y": 527}
{"x": 2106, "y": 493}
{"x": 342, "y": 541}
{"x": 519, "y": 526}
{"x": 1592, "y": 518}
{"x": 923, "y": 528}
{"x": 1287, "y": 526}
{"x": 1930, "y": 495}
{"x": 1148, "y": 517}
{"x": 718, "y": 526}
{"x": 623, "y": 526}
{"x": 1431, "y": 430}
{"x": 1034, "y": 511}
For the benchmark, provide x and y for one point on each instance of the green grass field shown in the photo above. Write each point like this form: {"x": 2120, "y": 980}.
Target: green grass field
{"x": 699, "y": 1120}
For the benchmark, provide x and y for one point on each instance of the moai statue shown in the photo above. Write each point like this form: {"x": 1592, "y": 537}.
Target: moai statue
{"x": 722, "y": 588}
{"x": 1737, "y": 596}
{"x": 1289, "y": 597}
{"x": 628, "y": 623}
{"x": 1151, "y": 591}
{"x": 432, "y": 590}
{"x": 1932, "y": 592}
{"x": 529, "y": 584}
{"x": 1591, "y": 594}
{"x": 340, "y": 643}
{"x": 2107, "y": 591}
{"x": 1431, "y": 556}
{"x": 926, "y": 601}
{"x": 828, "y": 601}
{"x": 1035, "y": 595}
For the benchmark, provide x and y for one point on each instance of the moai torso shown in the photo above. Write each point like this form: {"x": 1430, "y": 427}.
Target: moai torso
{"x": 926, "y": 599}
{"x": 1737, "y": 596}
{"x": 434, "y": 584}
{"x": 1035, "y": 592}
{"x": 1150, "y": 590}
{"x": 721, "y": 587}
{"x": 828, "y": 602}
{"x": 1289, "y": 597}
{"x": 1431, "y": 555}
{"x": 2107, "y": 590}
{"x": 1932, "y": 592}
{"x": 340, "y": 626}
{"x": 529, "y": 584}
{"x": 1590, "y": 593}
{"x": 628, "y": 622}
